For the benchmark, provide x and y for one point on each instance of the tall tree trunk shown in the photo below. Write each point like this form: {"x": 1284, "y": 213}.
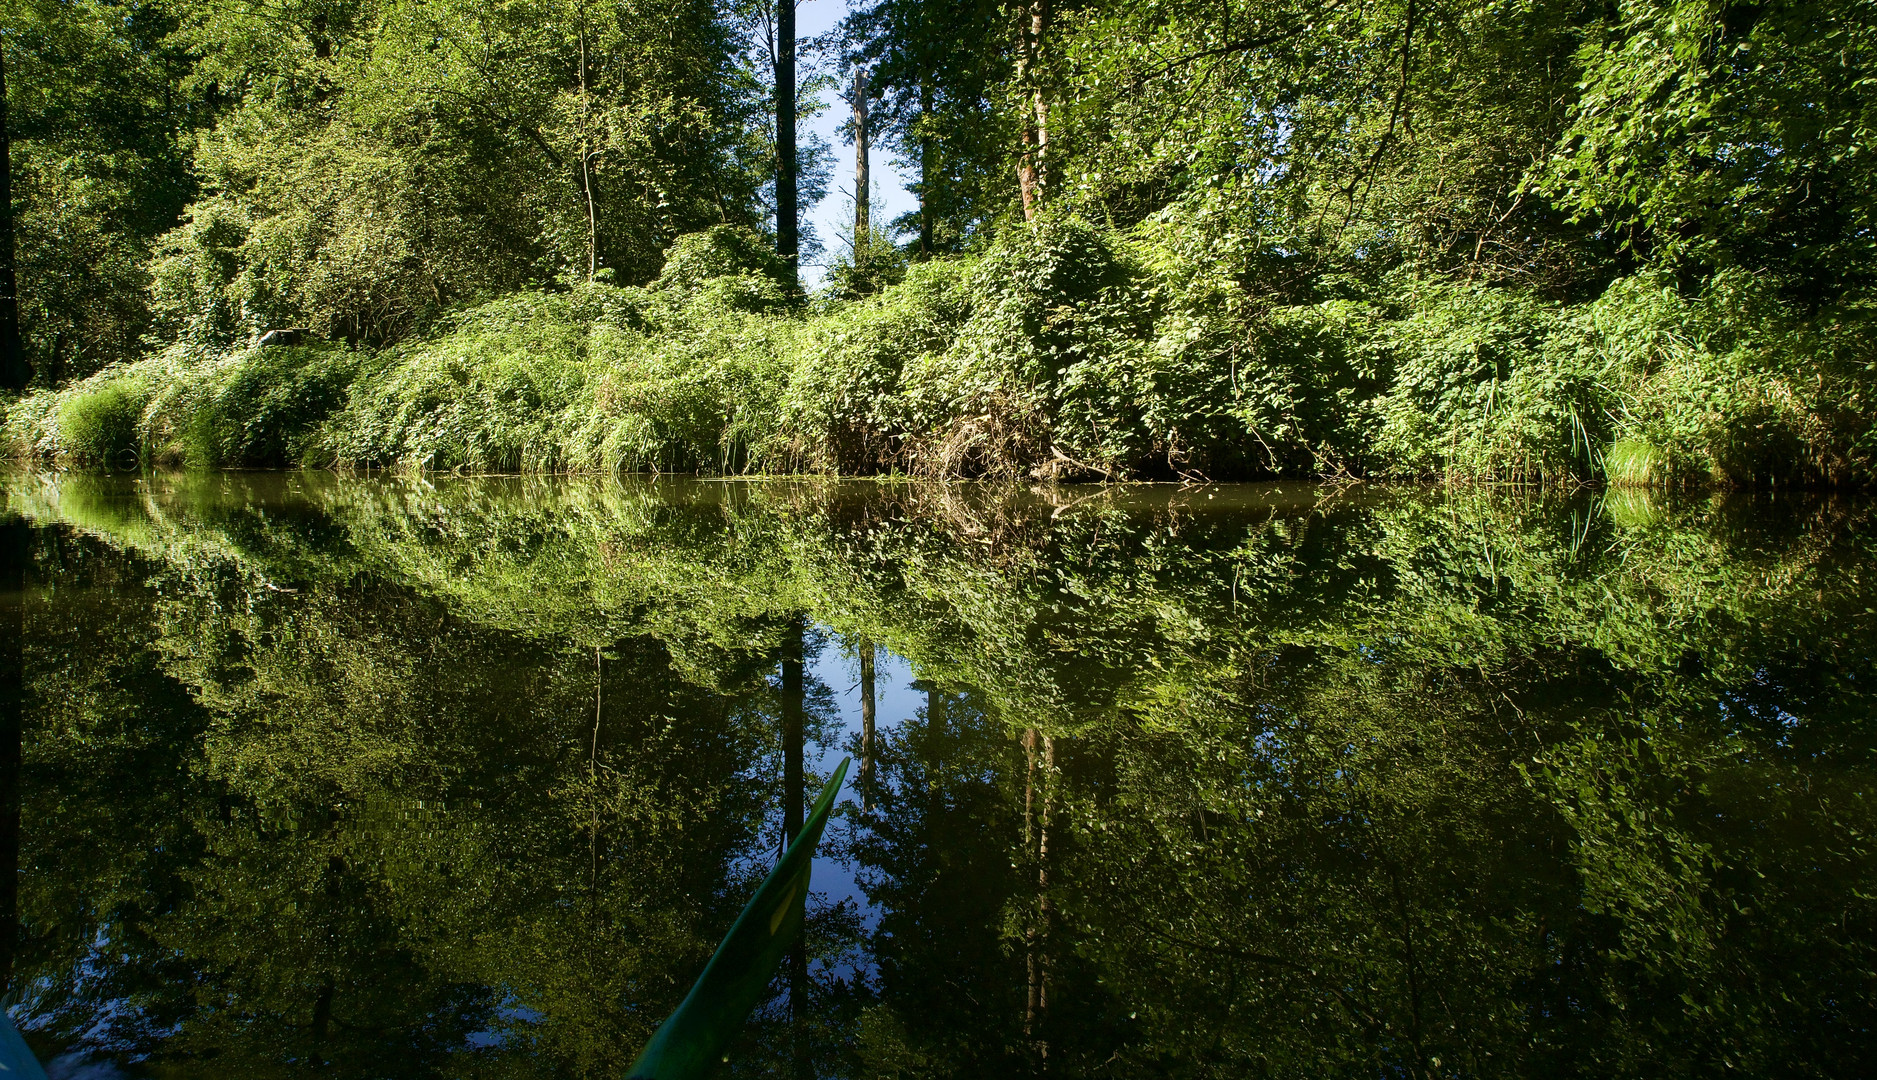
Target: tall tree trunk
{"x": 927, "y": 167}
{"x": 788, "y": 244}
{"x": 1040, "y": 107}
{"x": 1026, "y": 174}
{"x": 1032, "y": 165}
{"x": 14, "y": 372}
{"x": 586, "y": 153}
{"x": 863, "y": 190}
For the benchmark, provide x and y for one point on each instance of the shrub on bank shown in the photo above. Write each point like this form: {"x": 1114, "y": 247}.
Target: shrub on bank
{"x": 1064, "y": 351}
{"x": 255, "y": 407}
{"x": 684, "y": 374}
{"x": 846, "y": 409}
{"x": 485, "y": 396}
{"x": 265, "y": 407}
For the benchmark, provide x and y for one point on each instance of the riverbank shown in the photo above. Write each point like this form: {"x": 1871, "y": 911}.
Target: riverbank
{"x": 1066, "y": 351}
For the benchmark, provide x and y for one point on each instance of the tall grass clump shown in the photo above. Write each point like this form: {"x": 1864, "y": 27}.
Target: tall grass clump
{"x": 100, "y": 424}
{"x": 253, "y": 407}
{"x": 683, "y": 374}
{"x": 100, "y": 421}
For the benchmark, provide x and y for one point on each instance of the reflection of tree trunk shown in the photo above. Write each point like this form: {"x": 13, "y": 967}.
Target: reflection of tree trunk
{"x": 322, "y": 1012}
{"x": 866, "y": 724}
{"x": 792, "y": 797}
{"x": 792, "y": 702}
{"x": 935, "y": 760}
{"x": 593, "y": 778}
{"x": 1036, "y": 842}
{"x": 1412, "y": 970}
{"x": 13, "y": 538}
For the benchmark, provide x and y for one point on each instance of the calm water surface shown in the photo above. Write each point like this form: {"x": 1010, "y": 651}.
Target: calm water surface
{"x": 465, "y": 778}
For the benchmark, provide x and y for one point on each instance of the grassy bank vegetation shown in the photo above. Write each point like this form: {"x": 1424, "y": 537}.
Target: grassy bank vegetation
{"x": 1066, "y": 351}
{"x": 1152, "y": 240}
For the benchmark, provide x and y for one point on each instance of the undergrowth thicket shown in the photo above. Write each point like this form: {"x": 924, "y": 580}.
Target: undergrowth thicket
{"x": 1064, "y": 351}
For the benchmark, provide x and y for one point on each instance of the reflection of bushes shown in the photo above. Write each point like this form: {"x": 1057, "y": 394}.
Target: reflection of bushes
{"x": 370, "y": 806}
{"x": 1597, "y": 754}
{"x": 961, "y": 577}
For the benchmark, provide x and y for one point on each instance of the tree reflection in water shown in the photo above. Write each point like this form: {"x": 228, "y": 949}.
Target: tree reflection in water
{"x": 466, "y": 778}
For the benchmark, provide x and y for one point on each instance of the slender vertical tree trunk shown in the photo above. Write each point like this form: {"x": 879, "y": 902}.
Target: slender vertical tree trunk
{"x": 1032, "y": 165}
{"x": 787, "y": 242}
{"x": 1039, "y": 29}
{"x": 928, "y": 169}
{"x": 1026, "y": 162}
{"x": 14, "y": 372}
{"x": 863, "y": 189}
{"x": 586, "y": 154}
{"x": 1040, "y": 108}
{"x": 866, "y": 724}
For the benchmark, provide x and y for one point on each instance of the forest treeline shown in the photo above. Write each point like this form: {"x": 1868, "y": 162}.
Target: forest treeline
{"x": 1527, "y": 240}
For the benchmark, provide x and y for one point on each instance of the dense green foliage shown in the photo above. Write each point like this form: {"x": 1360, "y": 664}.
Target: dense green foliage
{"x": 1283, "y": 782}
{"x": 1534, "y": 240}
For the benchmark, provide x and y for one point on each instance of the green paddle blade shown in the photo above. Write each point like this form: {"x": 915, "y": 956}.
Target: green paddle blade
{"x": 692, "y": 1039}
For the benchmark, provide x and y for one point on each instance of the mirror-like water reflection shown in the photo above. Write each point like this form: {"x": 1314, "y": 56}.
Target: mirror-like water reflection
{"x": 465, "y": 778}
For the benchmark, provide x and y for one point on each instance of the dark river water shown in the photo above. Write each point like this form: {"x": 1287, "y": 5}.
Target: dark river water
{"x": 363, "y": 777}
